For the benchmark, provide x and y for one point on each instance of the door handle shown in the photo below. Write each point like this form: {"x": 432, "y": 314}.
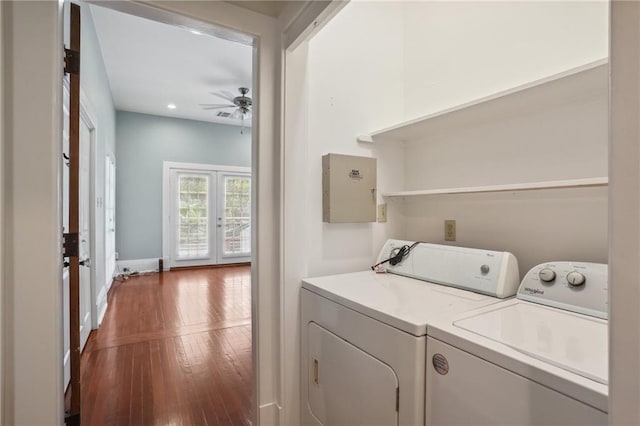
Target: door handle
{"x": 85, "y": 262}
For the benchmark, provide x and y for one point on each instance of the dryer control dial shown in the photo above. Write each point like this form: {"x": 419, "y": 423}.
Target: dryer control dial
{"x": 575, "y": 278}
{"x": 547, "y": 275}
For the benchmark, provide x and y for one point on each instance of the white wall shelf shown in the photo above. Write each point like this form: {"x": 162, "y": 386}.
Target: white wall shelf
{"x": 554, "y": 184}
{"x": 585, "y": 80}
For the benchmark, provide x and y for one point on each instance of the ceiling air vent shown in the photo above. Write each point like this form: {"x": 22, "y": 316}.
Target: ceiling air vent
{"x": 223, "y": 114}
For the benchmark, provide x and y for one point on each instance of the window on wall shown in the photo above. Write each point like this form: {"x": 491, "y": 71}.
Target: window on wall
{"x": 193, "y": 207}
{"x": 237, "y": 215}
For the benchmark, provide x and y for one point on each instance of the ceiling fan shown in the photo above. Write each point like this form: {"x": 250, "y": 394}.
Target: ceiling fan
{"x": 242, "y": 103}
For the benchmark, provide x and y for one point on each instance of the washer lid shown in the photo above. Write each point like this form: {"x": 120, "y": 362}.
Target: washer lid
{"x": 404, "y": 303}
{"x": 574, "y": 342}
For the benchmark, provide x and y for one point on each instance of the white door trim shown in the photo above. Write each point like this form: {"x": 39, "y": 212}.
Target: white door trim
{"x": 2, "y": 159}
{"x": 624, "y": 210}
{"x": 167, "y": 205}
{"x": 98, "y": 302}
{"x": 220, "y": 203}
{"x": 87, "y": 114}
{"x": 109, "y": 188}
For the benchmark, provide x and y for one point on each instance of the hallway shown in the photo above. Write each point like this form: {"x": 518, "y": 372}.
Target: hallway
{"x": 174, "y": 348}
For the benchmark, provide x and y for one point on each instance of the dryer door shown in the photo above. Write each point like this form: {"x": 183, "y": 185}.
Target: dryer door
{"x": 346, "y": 385}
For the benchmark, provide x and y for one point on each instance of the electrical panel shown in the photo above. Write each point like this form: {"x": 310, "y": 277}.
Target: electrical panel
{"x": 348, "y": 189}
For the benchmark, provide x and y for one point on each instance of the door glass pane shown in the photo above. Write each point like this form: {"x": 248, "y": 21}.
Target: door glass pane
{"x": 237, "y": 215}
{"x": 193, "y": 216}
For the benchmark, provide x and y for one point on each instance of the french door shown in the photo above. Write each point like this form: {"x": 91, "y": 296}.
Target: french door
{"x": 209, "y": 218}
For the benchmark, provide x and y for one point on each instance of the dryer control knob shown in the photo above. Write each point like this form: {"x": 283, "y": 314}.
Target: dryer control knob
{"x": 547, "y": 275}
{"x": 575, "y": 278}
{"x": 485, "y": 269}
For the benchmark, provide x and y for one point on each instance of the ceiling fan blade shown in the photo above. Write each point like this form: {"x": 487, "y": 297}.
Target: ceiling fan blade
{"x": 217, "y": 107}
{"x": 228, "y": 94}
{"x": 224, "y": 94}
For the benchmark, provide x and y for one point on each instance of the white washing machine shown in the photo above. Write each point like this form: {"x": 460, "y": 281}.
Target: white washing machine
{"x": 364, "y": 333}
{"x": 538, "y": 359}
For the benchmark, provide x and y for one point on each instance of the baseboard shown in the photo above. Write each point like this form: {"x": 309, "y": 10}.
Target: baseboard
{"x": 101, "y": 304}
{"x": 138, "y": 265}
{"x": 102, "y": 312}
{"x": 269, "y": 414}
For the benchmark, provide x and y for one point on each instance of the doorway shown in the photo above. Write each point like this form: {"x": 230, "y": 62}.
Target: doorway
{"x": 210, "y": 205}
{"x": 206, "y": 214}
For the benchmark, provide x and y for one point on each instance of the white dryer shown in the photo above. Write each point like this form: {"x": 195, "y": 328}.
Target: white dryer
{"x": 540, "y": 358}
{"x": 364, "y": 333}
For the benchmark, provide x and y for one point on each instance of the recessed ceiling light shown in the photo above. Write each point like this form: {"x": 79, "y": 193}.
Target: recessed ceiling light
{"x": 171, "y": 106}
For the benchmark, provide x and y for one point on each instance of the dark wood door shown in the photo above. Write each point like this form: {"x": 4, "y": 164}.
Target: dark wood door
{"x": 71, "y": 238}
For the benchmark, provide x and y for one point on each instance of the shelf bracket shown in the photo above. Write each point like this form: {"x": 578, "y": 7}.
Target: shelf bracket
{"x": 364, "y": 138}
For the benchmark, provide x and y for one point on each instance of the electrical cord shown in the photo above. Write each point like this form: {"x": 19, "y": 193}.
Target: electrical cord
{"x": 400, "y": 254}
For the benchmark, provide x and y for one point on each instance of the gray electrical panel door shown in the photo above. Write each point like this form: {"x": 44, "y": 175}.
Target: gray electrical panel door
{"x": 348, "y": 189}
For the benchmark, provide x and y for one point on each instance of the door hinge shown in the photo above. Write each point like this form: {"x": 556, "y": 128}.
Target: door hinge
{"x": 70, "y": 245}
{"x": 398, "y": 399}
{"x": 71, "y": 61}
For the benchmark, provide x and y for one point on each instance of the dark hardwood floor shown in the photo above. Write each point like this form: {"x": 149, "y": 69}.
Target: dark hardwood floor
{"x": 174, "y": 348}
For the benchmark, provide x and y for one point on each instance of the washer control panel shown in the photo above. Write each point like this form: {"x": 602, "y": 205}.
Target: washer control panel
{"x": 574, "y": 286}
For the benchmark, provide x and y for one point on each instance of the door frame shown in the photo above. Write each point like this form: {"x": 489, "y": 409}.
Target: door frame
{"x": 167, "y": 203}
{"x": 87, "y": 113}
{"x": 109, "y": 185}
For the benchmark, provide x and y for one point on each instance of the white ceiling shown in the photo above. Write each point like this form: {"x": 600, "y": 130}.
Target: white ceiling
{"x": 150, "y": 65}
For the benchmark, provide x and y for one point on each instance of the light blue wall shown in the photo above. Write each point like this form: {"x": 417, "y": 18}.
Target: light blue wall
{"x": 95, "y": 86}
{"x": 143, "y": 143}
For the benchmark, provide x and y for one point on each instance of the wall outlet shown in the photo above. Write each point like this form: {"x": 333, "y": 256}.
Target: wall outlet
{"x": 382, "y": 213}
{"x": 449, "y": 230}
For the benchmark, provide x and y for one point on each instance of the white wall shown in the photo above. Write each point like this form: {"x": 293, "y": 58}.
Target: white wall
{"x": 377, "y": 64}
{"x": 355, "y": 82}
{"x": 456, "y": 52}
{"x": 463, "y": 50}
{"x": 294, "y": 220}
{"x": 32, "y": 321}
